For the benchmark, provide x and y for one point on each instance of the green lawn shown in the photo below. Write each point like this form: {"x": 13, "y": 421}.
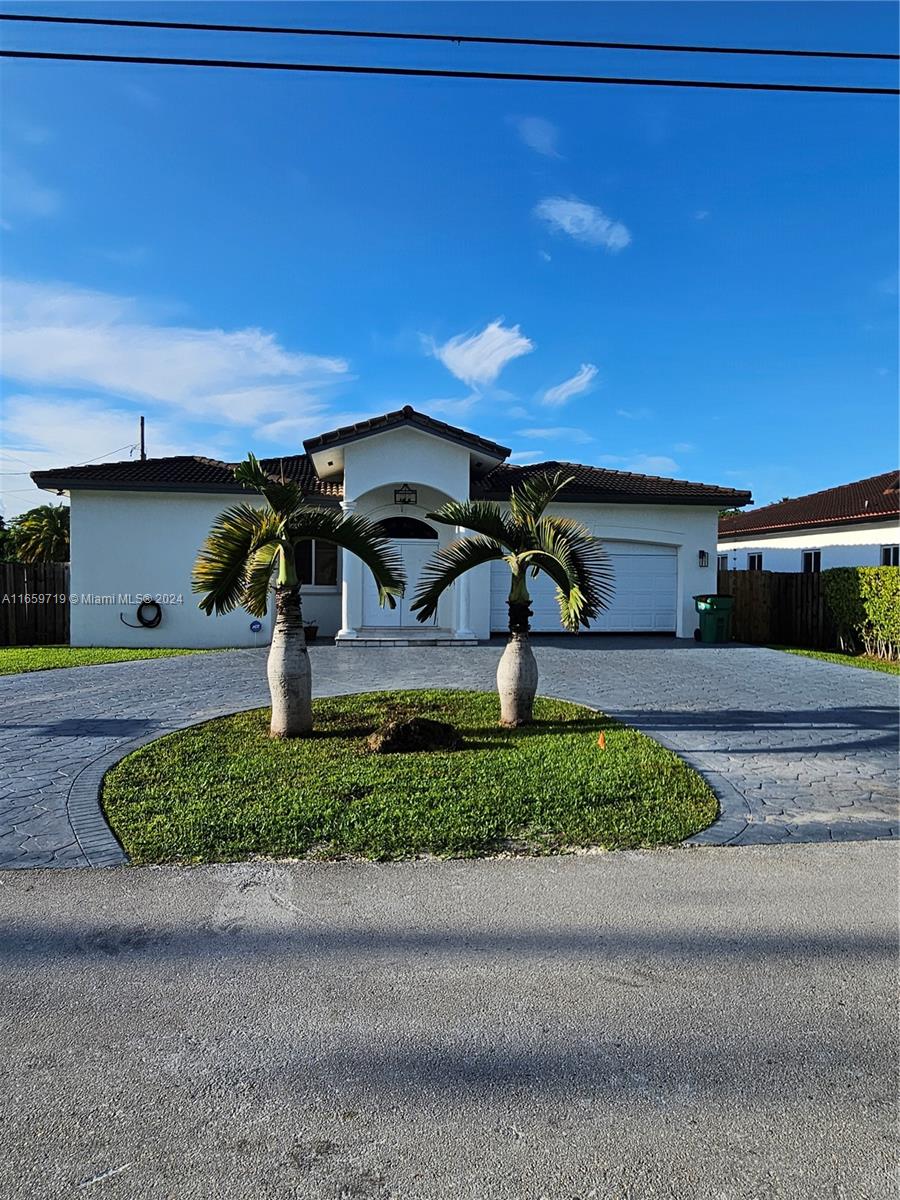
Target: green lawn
{"x": 846, "y": 660}
{"x": 14, "y": 659}
{"x": 225, "y": 790}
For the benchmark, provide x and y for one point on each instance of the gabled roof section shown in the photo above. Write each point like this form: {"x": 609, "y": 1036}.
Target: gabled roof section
{"x": 872, "y": 499}
{"x": 406, "y": 416}
{"x": 596, "y": 485}
{"x": 181, "y": 473}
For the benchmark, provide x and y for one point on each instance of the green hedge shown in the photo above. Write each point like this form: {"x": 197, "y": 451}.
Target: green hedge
{"x": 865, "y": 604}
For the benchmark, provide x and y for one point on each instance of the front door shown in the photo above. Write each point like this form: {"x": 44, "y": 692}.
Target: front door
{"x": 414, "y": 553}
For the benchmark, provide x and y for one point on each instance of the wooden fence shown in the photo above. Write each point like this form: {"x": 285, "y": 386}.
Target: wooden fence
{"x": 34, "y": 609}
{"x": 779, "y": 608}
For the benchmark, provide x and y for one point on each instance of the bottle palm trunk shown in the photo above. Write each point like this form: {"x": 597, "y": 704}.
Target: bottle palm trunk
{"x": 517, "y": 671}
{"x": 288, "y": 670}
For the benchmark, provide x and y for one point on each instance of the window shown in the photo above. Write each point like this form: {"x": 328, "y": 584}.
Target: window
{"x": 754, "y": 562}
{"x": 723, "y": 562}
{"x": 317, "y": 564}
{"x": 812, "y": 562}
{"x": 890, "y": 556}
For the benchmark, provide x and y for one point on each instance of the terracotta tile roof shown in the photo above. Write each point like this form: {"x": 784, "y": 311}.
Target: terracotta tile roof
{"x": 405, "y": 416}
{"x": 181, "y": 473}
{"x": 596, "y": 485}
{"x": 872, "y": 499}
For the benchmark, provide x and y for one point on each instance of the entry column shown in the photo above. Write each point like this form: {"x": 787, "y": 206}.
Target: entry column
{"x": 462, "y": 629}
{"x": 351, "y": 586}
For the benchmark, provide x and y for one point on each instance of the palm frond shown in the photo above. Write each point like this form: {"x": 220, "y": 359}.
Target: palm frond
{"x": 258, "y": 578}
{"x": 482, "y": 517}
{"x": 585, "y": 561}
{"x": 284, "y": 498}
{"x": 220, "y": 571}
{"x": 357, "y": 535}
{"x": 446, "y": 565}
{"x": 528, "y": 499}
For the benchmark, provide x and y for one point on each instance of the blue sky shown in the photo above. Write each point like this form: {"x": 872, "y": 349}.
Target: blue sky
{"x": 689, "y": 283}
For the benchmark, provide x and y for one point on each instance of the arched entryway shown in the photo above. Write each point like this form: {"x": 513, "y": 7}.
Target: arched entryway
{"x": 415, "y": 541}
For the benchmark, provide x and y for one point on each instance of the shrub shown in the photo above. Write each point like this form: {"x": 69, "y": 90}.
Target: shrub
{"x": 865, "y": 604}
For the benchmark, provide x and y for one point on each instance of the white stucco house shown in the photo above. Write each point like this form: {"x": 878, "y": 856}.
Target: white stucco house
{"x": 854, "y": 525}
{"x": 136, "y": 528}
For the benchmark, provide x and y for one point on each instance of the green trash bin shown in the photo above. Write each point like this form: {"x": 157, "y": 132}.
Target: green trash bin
{"x": 715, "y": 618}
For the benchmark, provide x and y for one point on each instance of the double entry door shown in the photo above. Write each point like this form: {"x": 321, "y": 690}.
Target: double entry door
{"x": 415, "y": 553}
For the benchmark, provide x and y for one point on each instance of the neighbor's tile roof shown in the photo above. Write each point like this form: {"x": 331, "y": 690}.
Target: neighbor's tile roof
{"x": 597, "y": 485}
{"x": 405, "y": 416}
{"x": 181, "y": 473}
{"x": 872, "y": 499}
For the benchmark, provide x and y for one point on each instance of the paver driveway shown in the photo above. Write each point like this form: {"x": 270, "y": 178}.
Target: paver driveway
{"x": 796, "y": 748}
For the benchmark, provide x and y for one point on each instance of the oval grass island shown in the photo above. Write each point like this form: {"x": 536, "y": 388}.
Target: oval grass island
{"x": 225, "y": 790}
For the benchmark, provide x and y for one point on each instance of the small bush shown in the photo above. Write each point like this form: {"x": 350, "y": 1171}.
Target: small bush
{"x": 865, "y": 604}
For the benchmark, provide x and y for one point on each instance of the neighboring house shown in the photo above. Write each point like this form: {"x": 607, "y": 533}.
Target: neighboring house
{"x": 854, "y": 525}
{"x": 137, "y": 527}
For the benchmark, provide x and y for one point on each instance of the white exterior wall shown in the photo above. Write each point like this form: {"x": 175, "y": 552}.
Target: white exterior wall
{"x": 146, "y": 543}
{"x": 688, "y": 528}
{"x": 405, "y": 456}
{"x": 841, "y": 546}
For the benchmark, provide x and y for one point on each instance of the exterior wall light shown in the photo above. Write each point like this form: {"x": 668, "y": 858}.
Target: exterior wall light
{"x": 405, "y": 495}
{"x": 703, "y": 558}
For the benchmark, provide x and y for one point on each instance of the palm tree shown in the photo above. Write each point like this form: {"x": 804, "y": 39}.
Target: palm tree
{"x": 248, "y": 545}
{"x": 527, "y": 541}
{"x": 41, "y": 534}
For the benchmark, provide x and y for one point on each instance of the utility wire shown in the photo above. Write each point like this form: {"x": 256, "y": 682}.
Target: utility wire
{"x": 434, "y": 73}
{"x": 457, "y": 39}
{"x": 87, "y": 461}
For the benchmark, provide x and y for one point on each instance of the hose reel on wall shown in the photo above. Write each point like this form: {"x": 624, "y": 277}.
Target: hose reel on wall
{"x": 149, "y": 614}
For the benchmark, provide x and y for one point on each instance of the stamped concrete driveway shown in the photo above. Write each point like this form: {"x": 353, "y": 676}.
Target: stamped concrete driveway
{"x": 797, "y": 749}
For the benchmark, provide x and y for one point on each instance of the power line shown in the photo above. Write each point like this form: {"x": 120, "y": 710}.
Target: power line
{"x": 457, "y": 39}
{"x": 434, "y": 73}
{"x": 87, "y": 461}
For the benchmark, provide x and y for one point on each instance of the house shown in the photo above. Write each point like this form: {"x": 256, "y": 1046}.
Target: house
{"x": 136, "y": 528}
{"x": 854, "y": 525}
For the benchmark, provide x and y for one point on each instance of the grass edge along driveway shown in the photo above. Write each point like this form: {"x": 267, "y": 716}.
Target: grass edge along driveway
{"x": 16, "y": 660}
{"x": 225, "y": 791}
{"x": 844, "y": 660}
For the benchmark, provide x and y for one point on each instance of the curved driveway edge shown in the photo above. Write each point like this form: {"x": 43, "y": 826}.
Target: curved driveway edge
{"x": 795, "y": 749}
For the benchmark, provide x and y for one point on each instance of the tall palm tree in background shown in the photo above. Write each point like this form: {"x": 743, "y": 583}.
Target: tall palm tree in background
{"x": 528, "y": 541}
{"x": 40, "y": 535}
{"x": 249, "y": 546}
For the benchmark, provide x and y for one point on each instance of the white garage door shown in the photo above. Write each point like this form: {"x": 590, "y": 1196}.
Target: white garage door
{"x": 644, "y": 600}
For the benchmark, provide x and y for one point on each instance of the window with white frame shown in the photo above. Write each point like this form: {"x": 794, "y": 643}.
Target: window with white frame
{"x": 812, "y": 562}
{"x": 317, "y": 564}
{"x": 723, "y": 562}
{"x": 754, "y": 561}
{"x": 890, "y": 556}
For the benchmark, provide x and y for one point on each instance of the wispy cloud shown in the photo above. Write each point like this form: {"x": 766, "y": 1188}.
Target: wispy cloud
{"x": 526, "y": 456}
{"x": 583, "y": 222}
{"x": 64, "y": 337}
{"x": 564, "y": 433}
{"x": 451, "y": 407}
{"x": 84, "y": 364}
{"x": 641, "y": 464}
{"x": 634, "y": 414}
{"x": 653, "y": 464}
{"x": 701, "y": 214}
{"x": 684, "y": 447}
{"x": 478, "y": 358}
{"x": 563, "y": 392}
{"x": 539, "y": 134}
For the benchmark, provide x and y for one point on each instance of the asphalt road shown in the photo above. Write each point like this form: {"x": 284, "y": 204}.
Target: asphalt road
{"x": 710, "y": 1024}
